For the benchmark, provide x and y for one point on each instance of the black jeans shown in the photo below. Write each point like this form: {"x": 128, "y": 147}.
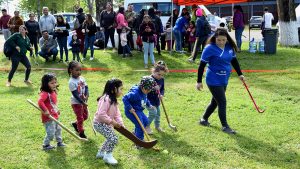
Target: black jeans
{"x": 130, "y": 40}
{"x": 34, "y": 41}
{"x": 109, "y": 33}
{"x": 120, "y": 47}
{"x": 218, "y": 100}
{"x": 15, "y": 60}
{"x": 158, "y": 44}
{"x": 76, "y": 55}
{"x": 199, "y": 41}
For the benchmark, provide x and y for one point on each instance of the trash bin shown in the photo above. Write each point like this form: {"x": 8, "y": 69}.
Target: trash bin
{"x": 299, "y": 33}
{"x": 270, "y": 37}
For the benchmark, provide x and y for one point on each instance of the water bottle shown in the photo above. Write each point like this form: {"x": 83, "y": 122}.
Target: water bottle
{"x": 252, "y": 46}
{"x": 261, "y": 46}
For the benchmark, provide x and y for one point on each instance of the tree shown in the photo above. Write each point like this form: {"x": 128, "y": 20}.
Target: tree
{"x": 287, "y": 23}
{"x": 100, "y": 5}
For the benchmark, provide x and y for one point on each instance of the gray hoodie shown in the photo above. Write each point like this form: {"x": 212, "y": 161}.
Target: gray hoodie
{"x": 48, "y": 44}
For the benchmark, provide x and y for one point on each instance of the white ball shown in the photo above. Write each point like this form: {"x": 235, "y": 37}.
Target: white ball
{"x": 165, "y": 151}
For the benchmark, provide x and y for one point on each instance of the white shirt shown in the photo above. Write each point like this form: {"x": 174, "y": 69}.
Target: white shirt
{"x": 268, "y": 17}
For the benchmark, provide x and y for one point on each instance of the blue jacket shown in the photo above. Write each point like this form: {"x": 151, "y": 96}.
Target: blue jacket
{"x": 180, "y": 24}
{"x": 153, "y": 95}
{"x": 200, "y": 26}
{"x": 135, "y": 99}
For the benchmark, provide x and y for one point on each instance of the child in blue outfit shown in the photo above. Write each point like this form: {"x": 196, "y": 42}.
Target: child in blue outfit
{"x": 136, "y": 101}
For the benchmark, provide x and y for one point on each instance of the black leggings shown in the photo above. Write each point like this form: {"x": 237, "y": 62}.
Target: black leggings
{"x": 218, "y": 100}
{"x": 110, "y": 33}
{"x": 34, "y": 41}
{"x": 14, "y": 65}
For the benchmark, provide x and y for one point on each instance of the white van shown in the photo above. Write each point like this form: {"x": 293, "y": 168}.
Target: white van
{"x": 165, "y": 7}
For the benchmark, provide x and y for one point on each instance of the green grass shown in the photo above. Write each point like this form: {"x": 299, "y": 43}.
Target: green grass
{"x": 268, "y": 140}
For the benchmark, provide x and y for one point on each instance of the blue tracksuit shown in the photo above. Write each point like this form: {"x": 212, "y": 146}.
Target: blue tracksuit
{"x": 137, "y": 100}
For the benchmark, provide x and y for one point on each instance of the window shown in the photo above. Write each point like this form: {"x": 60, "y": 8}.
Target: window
{"x": 164, "y": 7}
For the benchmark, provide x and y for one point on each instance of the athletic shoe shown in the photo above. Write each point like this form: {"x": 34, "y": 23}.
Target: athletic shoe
{"x": 8, "y": 84}
{"x": 61, "y": 144}
{"x": 148, "y": 130}
{"x": 160, "y": 130}
{"x": 146, "y": 66}
{"x": 108, "y": 158}
{"x": 82, "y": 135}
{"x": 191, "y": 60}
{"x": 92, "y": 58}
{"x": 228, "y": 130}
{"x": 48, "y": 147}
{"x": 100, "y": 154}
{"x": 28, "y": 82}
{"x": 75, "y": 126}
{"x": 204, "y": 122}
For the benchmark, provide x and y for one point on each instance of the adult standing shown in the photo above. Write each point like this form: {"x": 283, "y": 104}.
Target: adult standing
{"x": 47, "y": 21}
{"x": 179, "y": 30}
{"x": 130, "y": 16}
{"x": 21, "y": 43}
{"x": 139, "y": 20}
{"x": 267, "y": 20}
{"x": 15, "y": 22}
{"x": 48, "y": 46}
{"x": 158, "y": 27}
{"x": 238, "y": 24}
{"x": 80, "y": 17}
{"x": 33, "y": 31}
{"x": 89, "y": 29}
{"x": 201, "y": 34}
{"x": 62, "y": 33}
{"x": 219, "y": 54}
{"x": 3, "y": 24}
{"x": 147, "y": 31}
{"x": 173, "y": 19}
{"x": 107, "y": 20}
{"x": 121, "y": 22}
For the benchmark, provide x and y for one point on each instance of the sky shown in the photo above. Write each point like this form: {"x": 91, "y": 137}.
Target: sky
{"x": 11, "y": 6}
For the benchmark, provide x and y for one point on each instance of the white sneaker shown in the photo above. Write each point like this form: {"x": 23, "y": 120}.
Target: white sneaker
{"x": 92, "y": 58}
{"x": 108, "y": 158}
{"x": 191, "y": 60}
{"x": 100, "y": 154}
{"x": 148, "y": 130}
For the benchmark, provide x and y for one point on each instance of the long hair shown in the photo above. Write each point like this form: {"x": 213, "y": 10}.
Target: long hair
{"x": 45, "y": 80}
{"x": 109, "y": 89}
{"x": 147, "y": 16}
{"x": 222, "y": 32}
{"x": 89, "y": 20}
{"x": 121, "y": 10}
{"x": 62, "y": 18}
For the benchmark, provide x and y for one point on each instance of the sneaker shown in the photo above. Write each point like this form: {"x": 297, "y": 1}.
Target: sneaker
{"x": 146, "y": 66}
{"x": 138, "y": 147}
{"x": 191, "y": 60}
{"x": 92, "y": 58}
{"x": 8, "y": 84}
{"x": 48, "y": 147}
{"x": 28, "y": 82}
{"x": 130, "y": 54}
{"x": 100, "y": 154}
{"x": 228, "y": 130}
{"x": 160, "y": 130}
{"x": 83, "y": 59}
{"x": 60, "y": 60}
{"x": 148, "y": 130}
{"x": 75, "y": 126}
{"x": 82, "y": 135}
{"x": 61, "y": 144}
{"x": 108, "y": 158}
{"x": 67, "y": 61}
{"x": 204, "y": 122}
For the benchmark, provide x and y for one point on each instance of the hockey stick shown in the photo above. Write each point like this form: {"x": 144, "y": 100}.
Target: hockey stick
{"x": 56, "y": 121}
{"x": 257, "y": 108}
{"x": 174, "y": 128}
{"x": 91, "y": 121}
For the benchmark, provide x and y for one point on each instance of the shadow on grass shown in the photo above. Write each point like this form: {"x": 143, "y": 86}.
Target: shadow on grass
{"x": 25, "y": 90}
{"x": 57, "y": 159}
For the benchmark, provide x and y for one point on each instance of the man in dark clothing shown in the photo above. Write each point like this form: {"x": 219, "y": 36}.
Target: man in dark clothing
{"x": 33, "y": 32}
{"x": 158, "y": 27}
{"x": 80, "y": 17}
{"x": 130, "y": 17}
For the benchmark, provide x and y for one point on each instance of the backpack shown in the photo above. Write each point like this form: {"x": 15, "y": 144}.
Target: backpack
{"x": 206, "y": 28}
{"x": 7, "y": 50}
{"x": 76, "y": 23}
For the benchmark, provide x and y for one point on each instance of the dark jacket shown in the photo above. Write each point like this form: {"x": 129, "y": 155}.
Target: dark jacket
{"x": 81, "y": 18}
{"x": 107, "y": 19}
{"x": 156, "y": 20}
{"x": 200, "y": 26}
{"x": 18, "y": 40}
{"x": 75, "y": 46}
{"x": 138, "y": 21}
{"x": 92, "y": 29}
{"x": 153, "y": 95}
{"x": 33, "y": 28}
{"x": 65, "y": 32}
{"x": 147, "y": 36}
{"x": 174, "y": 18}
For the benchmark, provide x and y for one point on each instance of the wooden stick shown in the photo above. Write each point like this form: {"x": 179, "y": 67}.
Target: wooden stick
{"x": 56, "y": 121}
{"x": 142, "y": 126}
{"x": 91, "y": 121}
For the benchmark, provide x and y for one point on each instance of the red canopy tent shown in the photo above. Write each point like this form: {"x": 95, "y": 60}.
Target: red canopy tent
{"x": 209, "y": 2}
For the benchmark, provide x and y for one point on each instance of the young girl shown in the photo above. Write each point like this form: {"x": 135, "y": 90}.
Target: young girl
{"x": 80, "y": 94}
{"x": 75, "y": 44}
{"x": 192, "y": 35}
{"x": 48, "y": 103}
{"x": 158, "y": 72}
{"x": 123, "y": 37}
{"x": 108, "y": 116}
{"x": 136, "y": 101}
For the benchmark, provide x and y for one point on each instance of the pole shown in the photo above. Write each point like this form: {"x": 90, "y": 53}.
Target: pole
{"x": 172, "y": 16}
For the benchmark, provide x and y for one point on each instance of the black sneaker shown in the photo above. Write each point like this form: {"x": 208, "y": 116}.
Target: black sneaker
{"x": 228, "y": 130}
{"x": 82, "y": 135}
{"x": 48, "y": 147}
{"x": 75, "y": 126}
{"x": 61, "y": 144}
{"x": 204, "y": 122}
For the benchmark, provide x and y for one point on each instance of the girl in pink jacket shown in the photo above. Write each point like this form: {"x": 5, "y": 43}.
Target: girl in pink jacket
{"x": 107, "y": 117}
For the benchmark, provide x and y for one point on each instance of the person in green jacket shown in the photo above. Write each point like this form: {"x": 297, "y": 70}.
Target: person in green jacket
{"x": 21, "y": 43}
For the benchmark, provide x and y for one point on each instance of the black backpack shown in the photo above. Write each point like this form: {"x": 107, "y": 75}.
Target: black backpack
{"x": 8, "y": 50}
{"x": 206, "y": 28}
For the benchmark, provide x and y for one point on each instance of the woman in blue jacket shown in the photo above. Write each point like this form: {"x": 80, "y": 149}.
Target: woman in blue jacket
{"x": 178, "y": 29}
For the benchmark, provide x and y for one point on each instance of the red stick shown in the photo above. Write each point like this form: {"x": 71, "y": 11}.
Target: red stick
{"x": 257, "y": 108}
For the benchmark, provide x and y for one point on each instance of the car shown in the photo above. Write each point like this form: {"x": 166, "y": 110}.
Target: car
{"x": 229, "y": 20}
{"x": 216, "y": 22}
{"x": 255, "y": 22}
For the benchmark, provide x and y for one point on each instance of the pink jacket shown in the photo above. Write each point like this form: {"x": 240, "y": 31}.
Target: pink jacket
{"x": 107, "y": 112}
{"x": 121, "y": 21}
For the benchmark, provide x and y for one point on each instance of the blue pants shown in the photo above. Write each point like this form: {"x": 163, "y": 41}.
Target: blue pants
{"x": 178, "y": 39}
{"x": 62, "y": 43}
{"x": 138, "y": 130}
{"x": 154, "y": 114}
{"x": 148, "y": 49}
{"x": 89, "y": 43}
{"x": 126, "y": 50}
{"x": 238, "y": 37}
{"x": 45, "y": 54}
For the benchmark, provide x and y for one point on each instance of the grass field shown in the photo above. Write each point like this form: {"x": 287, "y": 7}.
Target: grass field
{"x": 268, "y": 140}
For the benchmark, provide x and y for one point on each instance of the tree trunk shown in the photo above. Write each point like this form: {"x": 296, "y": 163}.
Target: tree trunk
{"x": 90, "y": 6}
{"x": 100, "y": 5}
{"x": 287, "y": 23}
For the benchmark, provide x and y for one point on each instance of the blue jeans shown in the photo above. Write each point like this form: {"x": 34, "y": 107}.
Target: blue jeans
{"x": 62, "y": 43}
{"x": 45, "y": 54}
{"x": 238, "y": 37}
{"x": 89, "y": 43}
{"x": 178, "y": 39}
{"x": 148, "y": 48}
{"x": 138, "y": 131}
{"x": 154, "y": 114}
{"x": 52, "y": 129}
{"x": 126, "y": 50}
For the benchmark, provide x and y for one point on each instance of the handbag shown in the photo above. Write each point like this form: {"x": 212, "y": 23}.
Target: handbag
{"x": 139, "y": 41}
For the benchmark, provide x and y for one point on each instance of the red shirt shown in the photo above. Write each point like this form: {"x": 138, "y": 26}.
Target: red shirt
{"x": 3, "y": 21}
{"x": 48, "y": 101}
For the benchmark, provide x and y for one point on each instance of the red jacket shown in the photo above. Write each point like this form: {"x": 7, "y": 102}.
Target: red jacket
{"x": 48, "y": 101}
{"x": 3, "y": 21}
